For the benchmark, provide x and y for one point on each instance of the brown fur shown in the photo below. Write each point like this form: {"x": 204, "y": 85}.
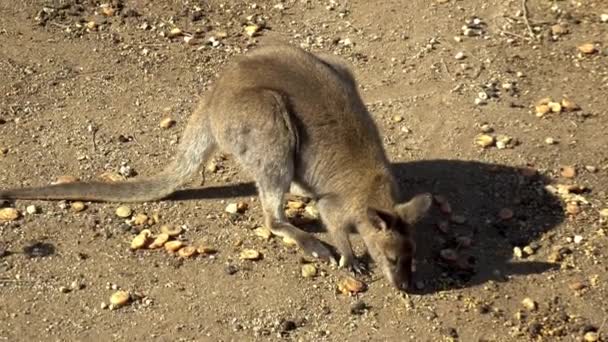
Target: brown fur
{"x": 289, "y": 116}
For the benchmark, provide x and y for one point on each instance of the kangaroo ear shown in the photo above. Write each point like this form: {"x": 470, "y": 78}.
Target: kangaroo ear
{"x": 381, "y": 219}
{"x": 413, "y": 210}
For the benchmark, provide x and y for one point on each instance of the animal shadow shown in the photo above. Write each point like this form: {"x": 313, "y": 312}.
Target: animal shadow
{"x": 482, "y": 237}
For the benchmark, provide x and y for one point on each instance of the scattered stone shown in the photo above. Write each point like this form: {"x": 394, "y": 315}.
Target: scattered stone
{"x": 103, "y": 305}
{"x": 31, "y": 209}
{"x": 170, "y": 230}
{"x": 159, "y": 241}
{"x": 569, "y": 105}
{"x": 542, "y": 109}
{"x": 167, "y": 123}
{"x": 123, "y": 211}
{"x": 460, "y": 56}
{"x": 173, "y": 246}
{"x": 65, "y": 180}
{"x": 205, "y": 250}
{"x": 9, "y": 214}
{"x": 528, "y": 250}
{"x": 448, "y": 254}
{"x": 263, "y": 232}
{"x": 591, "y": 168}
{"x": 588, "y": 48}
{"x": 111, "y": 177}
{"x": 231, "y": 269}
{"x": 236, "y": 208}
{"x": 141, "y": 240}
{"x": 506, "y": 214}
{"x": 573, "y": 208}
{"x": 604, "y": 17}
{"x": 555, "y": 107}
{"x": 559, "y": 30}
{"x": 250, "y": 254}
{"x": 351, "y": 285}
{"x": 550, "y": 141}
{"x": 604, "y": 213}
{"x": 578, "y": 239}
{"x": 107, "y": 10}
{"x": 309, "y": 271}
{"x": 140, "y": 219}
{"x": 287, "y": 326}
{"x": 175, "y": 32}
{"x": 252, "y": 30}
{"x": 518, "y": 253}
{"x": 577, "y": 286}
{"x": 486, "y": 128}
{"x": 187, "y": 252}
{"x": 64, "y": 289}
{"x": 503, "y": 141}
{"x": 529, "y": 304}
{"x": 484, "y": 140}
{"x": 358, "y": 308}
{"x": 568, "y": 171}
{"x": 591, "y": 336}
{"x": 119, "y": 298}
{"x": 78, "y": 206}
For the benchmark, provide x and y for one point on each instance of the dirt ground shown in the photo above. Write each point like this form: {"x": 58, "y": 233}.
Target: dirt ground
{"x": 84, "y": 87}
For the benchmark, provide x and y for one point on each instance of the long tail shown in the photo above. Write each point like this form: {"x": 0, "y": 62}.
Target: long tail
{"x": 196, "y": 147}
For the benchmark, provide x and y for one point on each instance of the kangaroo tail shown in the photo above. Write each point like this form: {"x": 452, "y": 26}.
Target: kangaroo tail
{"x": 196, "y": 147}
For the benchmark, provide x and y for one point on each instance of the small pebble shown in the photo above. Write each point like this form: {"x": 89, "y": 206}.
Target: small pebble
{"x": 460, "y": 56}
{"x": 518, "y": 253}
{"x": 587, "y": 49}
{"x": 484, "y": 140}
{"x": 309, "y": 271}
{"x": 250, "y": 254}
{"x": 78, "y": 206}
{"x": 550, "y": 141}
{"x": 123, "y": 211}
{"x": 591, "y": 336}
{"x": 9, "y": 214}
{"x": 528, "y": 250}
{"x": 31, "y": 209}
{"x": 167, "y": 123}
{"x": 119, "y": 298}
{"x": 604, "y": 17}
{"x": 578, "y": 239}
{"x": 529, "y": 304}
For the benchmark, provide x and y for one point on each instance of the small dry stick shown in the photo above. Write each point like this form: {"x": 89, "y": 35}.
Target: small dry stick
{"x": 524, "y": 6}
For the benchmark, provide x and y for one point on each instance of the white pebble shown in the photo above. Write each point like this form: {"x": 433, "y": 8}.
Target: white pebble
{"x": 31, "y": 209}
{"x": 459, "y": 56}
{"x": 604, "y": 17}
{"x": 550, "y": 141}
{"x": 578, "y": 239}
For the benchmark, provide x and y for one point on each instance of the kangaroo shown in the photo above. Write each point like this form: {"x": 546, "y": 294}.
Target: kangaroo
{"x": 292, "y": 119}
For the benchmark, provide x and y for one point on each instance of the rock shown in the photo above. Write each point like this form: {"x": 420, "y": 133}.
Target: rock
{"x": 448, "y": 254}
{"x": 518, "y": 253}
{"x": 9, "y": 214}
{"x": 159, "y": 241}
{"x": 569, "y": 105}
{"x": 107, "y": 10}
{"x": 64, "y": 289}
{"x": 460, "y": 56}
{"x": 231, "y": 269}
{"x": 91, "y": 25}
{"x": 505, "y": 214}
{"x": 31, "y": 209}
{"x": 555, "y": 107}
{"x": 604, "y": 17}
{"x": 175, "y": 32}
{"x": 287, "y": 326}
{"x": 140, "y": 219}
{"x": 173, "y": 246}
{"x": 78, "y": 206}
{"x": 542, "y": 109}
{"x": 458, "y": 219}
{"x": 187, "y": 252}
{"x": 604, "y": 213}
{"x": 528, "y": 250}
{"x": 252, "y": 30}
{"x": 577, "y": 286}
{"x": 263, "y": 232}
{"x": 573, "y": 208}
{"x": 141, "y": 240}
{"x": 351, "y": 285}
{"x": 119, "y": 298}
{"x": 550, "y": 141}
{"x": 250, "y": 254}
{"x": 578, "y": 239}
{"x": 64, "y": 180}
{"x": 170, "y": 230}
{"x": 309, "y": 271}
{"x": 484, "y": 140}
{"x": 568, "y": 171}
{"x": 358, "y": 308}
{"x": 236, "y": 208}
{"x": 591, "y": 168}
{"x": 111, "y": 177}
{"x": 123, "y": 211}
{"x": 559, "y": 30}
{"x": 588, "y": 48}
{"x": 167, "y": 123}
{"x": 529, "y": 304}
{"x": 591, "y": 336}
{"x": 205, "y": 250}
{"x": 503, "y": 141}
{"x": 485, "y": 128}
